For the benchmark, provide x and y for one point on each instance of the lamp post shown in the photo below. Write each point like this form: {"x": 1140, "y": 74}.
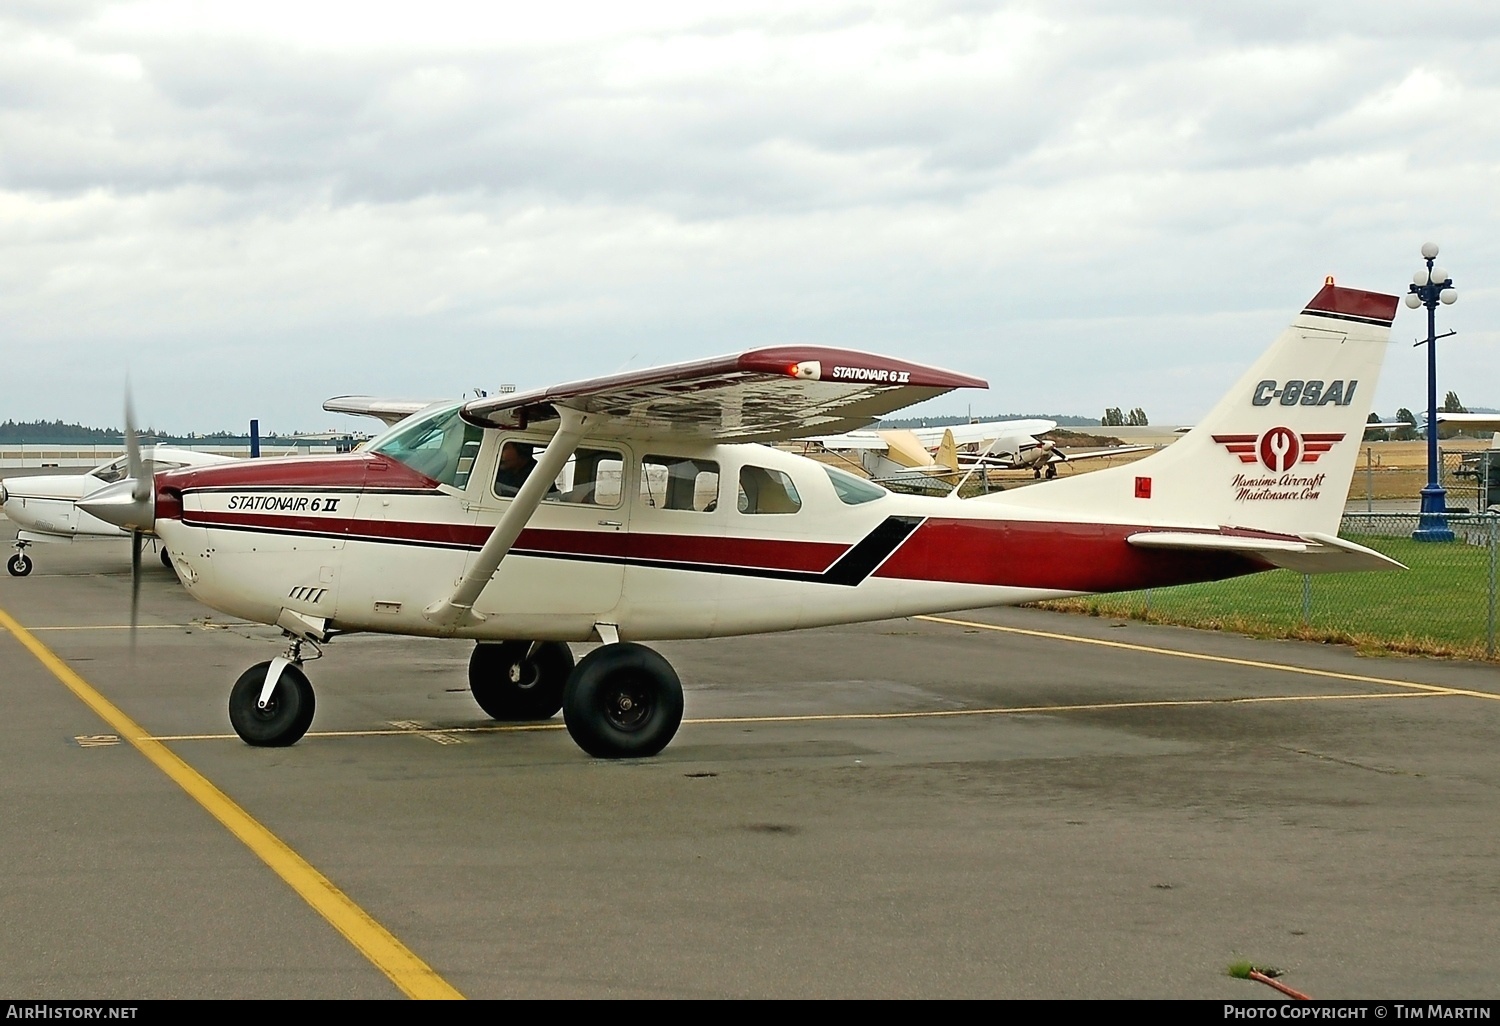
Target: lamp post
{"x": 1431, "y": 286}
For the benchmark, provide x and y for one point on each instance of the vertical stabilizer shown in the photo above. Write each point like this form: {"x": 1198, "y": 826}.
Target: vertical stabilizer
{"x": 1278, "y": 451}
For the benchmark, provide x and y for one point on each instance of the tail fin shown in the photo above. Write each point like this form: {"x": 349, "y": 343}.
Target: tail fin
{"x": 947, "y": 453}
{"x": 1278, "y": 451}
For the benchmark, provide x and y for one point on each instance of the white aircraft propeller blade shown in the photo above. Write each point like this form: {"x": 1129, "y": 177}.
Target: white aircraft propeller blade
{"x": 135, "y": 468}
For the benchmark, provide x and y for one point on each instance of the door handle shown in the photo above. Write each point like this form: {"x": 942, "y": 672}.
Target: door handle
{"x": 610, "y": 523}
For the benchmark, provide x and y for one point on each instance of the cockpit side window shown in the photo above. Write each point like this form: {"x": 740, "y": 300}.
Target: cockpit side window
{"x": 440, "y": 446}
{"x": 591, "y": 477}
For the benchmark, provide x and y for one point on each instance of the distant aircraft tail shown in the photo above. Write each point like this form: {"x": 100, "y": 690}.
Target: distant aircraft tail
{"x": 947, "y": 453}
{"x": 1276, "y": 454}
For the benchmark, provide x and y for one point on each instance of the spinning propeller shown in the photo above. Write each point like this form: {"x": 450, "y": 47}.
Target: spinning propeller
{"x": 129, "y": 504}
{"x": 141, "y": 489}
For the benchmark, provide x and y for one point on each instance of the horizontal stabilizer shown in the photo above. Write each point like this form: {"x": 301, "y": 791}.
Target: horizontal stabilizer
{"x": 1306, "y": 554}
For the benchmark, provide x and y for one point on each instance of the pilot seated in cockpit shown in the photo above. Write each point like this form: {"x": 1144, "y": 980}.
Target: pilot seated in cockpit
{"x": 516, "y": 465}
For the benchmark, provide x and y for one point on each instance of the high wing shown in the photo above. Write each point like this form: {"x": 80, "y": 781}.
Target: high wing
{"x": 389, "y": 411}
{"x": 1002, "y": 459}
{"x": 1471, "y": 421}
{"x": 851, "y": 441}
{"x": 932, "y": 437}
{"x": 970, "y": 434}
{"x": 763, "y": 395}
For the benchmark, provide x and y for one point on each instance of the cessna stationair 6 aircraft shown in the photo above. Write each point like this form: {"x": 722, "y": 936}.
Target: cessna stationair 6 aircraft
{"x": 649, "y": 514}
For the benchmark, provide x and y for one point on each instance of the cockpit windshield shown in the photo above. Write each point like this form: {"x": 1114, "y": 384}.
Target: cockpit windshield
{"x": 111, "y": 472}
{"x": 438, "y": 445}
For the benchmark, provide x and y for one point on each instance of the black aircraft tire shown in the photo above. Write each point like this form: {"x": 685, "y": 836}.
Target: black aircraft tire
{"x": 286, "y": 716}
{"x": 510, "y": 687}
{"x": 623, "y": 701}
{"x": 166, "y": 558}
{"x": 18, "y": 565}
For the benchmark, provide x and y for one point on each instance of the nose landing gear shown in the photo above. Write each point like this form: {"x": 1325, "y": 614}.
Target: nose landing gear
{"x": 272, "y": 704}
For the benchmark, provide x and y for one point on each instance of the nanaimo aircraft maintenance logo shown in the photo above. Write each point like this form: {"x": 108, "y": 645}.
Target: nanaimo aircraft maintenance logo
{"x": 1279, "y": 450}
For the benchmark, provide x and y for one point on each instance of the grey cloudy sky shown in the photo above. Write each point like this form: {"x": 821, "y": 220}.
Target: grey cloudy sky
{"x": 252, "y": 207}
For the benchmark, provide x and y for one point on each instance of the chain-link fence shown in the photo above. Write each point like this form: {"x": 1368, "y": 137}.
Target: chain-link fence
{"x": 1443, "y": 604}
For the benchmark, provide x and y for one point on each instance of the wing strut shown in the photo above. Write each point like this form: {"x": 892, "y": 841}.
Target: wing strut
{"x": 458, "y": 609}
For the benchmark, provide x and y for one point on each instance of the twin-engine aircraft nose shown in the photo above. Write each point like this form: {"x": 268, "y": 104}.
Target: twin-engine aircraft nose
{"x": 117, "y": 504}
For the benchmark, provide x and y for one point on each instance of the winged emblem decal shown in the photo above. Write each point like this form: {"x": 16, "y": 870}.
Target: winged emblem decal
{"x": 1279, "y": 448}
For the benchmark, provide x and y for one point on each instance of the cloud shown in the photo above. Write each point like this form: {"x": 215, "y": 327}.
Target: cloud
{"x": 1072, "y": 199}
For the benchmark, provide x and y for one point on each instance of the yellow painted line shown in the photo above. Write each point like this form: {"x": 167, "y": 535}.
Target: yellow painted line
{"x": 1436, "y": 689}
{"x": 408, "y": 972}
{"x": 521, "y": 728}
{"x": 1010, "y": 710}
{"x": 144, "y": 626}
{"x": 1025, "y": 710}
{"x": 119, "y": 627}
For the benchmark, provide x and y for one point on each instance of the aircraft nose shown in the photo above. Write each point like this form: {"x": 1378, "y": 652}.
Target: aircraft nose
{"x": 116, "y": 504}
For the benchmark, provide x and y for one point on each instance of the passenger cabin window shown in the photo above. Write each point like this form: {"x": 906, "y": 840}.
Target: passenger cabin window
{"x": 851, "y": 490}
{"x": 767, "y": 491}
{"x": 440, "y": 446}
{"x": 673, "y": 482}
{"x": 591, "y": 477}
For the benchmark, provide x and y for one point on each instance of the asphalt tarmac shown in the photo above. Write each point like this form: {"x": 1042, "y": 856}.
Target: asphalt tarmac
{"x": 1007, "y": 803}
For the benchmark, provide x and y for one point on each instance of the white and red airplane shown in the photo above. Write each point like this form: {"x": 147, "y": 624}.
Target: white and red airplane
{"x": 45, "y": 506}
{"x": 650, "y": 514}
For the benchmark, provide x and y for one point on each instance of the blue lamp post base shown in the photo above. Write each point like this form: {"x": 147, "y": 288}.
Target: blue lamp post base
{"x": 1433, "y": 524}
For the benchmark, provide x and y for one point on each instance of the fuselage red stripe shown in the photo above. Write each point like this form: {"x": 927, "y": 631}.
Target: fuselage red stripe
{"x": 1056, "y": 557}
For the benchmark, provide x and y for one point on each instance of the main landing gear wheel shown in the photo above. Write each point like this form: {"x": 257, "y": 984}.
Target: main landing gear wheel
{"x": 18, "y": 565}
{"x": 166, "y": 558}
{"x": 623, "y": 701}
{"x": 286, "y": 716}
{"x": 509, "y": 686}
{"x": 1051, "y": 471}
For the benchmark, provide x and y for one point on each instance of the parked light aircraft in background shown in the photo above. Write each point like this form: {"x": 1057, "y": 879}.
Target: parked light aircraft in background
{"x": 650, "y": 513}
{"x": 45, "y": 507}
{"x": 894, "y": 454}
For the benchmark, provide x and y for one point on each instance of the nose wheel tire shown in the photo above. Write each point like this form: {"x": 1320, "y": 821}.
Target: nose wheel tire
{"x": 18, "y": 565}
{"x": 286, "y": 716}
{"x": 509, "y": 686}
{"x": 623, "y": 701}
